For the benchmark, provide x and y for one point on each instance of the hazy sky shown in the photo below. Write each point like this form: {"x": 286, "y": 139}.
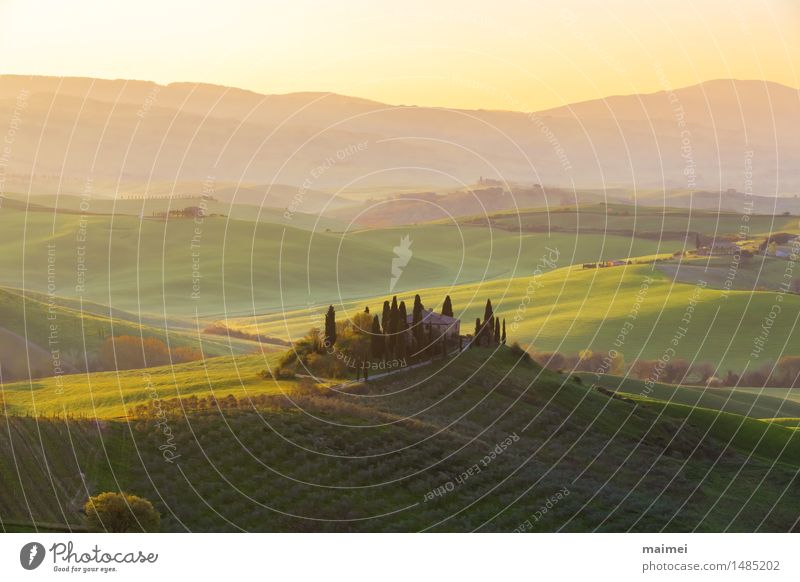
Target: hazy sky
{"x": 503, "y": 54}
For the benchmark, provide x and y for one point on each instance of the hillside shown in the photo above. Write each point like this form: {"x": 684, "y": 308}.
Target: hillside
{"x": 180, "y": 131}
{"x": 32, "y": 328}
{"x": 665, "y": 223}
{"x": 116, "y": 394}
{"x": 763, "y": 403}
{"x": 571, "y": 309}
{"x": 150, "y": 267}
{"x": 261, "y": 207}
{"x": 370, "y": 458}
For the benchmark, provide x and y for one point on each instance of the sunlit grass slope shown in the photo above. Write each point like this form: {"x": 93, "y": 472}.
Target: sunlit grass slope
{"x": 664, "y": 223}
{"x": 574, "y": 309}
{"x": 116, "y": 394}
{"x": 179, "y": 268}
{"x": 763, "y": 403}
{"x": 367, "y": 459}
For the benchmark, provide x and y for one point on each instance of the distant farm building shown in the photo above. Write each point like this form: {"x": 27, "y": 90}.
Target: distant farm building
{"x": 188, "y": 212}
{"x": 719, "y": 248}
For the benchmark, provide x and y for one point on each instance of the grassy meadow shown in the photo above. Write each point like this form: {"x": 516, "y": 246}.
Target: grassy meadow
{"x": 367, "y": 459}
{"x": 251, "y": 452}
{"x": 573, "y": 309}
{"x": 170, "y": 270}
{"x": 110, "y": 395}
{"x": 659, "y": 223}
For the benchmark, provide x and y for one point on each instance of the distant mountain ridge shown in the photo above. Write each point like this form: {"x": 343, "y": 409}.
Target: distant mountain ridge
{"x": 713, "y": 136}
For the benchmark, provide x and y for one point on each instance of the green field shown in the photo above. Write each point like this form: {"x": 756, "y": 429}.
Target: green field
{"x": 146, "y": 207}
{"x": 260, "y": 454}
{"x": 751, "y": 274}
{"x": 151, "y": 268}
{"x": 34, "y": 327}
{"x": 761, "y": 403}
{"x": 116, "y": 394}
{"x": 667, "y": 224}
{"x": 368, "y": 458}
{"x": 574, "y": 309}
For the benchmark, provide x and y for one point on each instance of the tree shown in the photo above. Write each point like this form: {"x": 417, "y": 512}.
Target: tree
{"x": 496, "y": 331}
{"x": 402, "y": 331}
{"x": 377, "y": 341}
{"x": 477, "y": 335}
{"x": 617, "y": 364}
{"x": 120, "y": 513}
{"x": 644, "y": 369}
{"x": 313, "y": 340}
{"x": 488, "y": 312}
{"x": 127, "y": 352}
{"x": 788, "y": 369}
{"x": 416, "y": 323}
{"x": 447, "y": 307}
{"x": 503, "y": 337}
{"x": 402, "y": 339}
{"x": 385, "y": 317}
{"x": 488, "y": 323}
{"x": 675, "y": 371}
{"x": 330, "y": 327}
{"x": 704, "y": 371}
{"x": 394, "y": 323}
{"x": 731, "y": 378}
{"x": 366, "y": 309}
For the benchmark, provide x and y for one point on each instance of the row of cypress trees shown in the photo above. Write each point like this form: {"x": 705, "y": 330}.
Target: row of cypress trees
{"x": 388, "y": 331}
{"x": 488, "y": 332}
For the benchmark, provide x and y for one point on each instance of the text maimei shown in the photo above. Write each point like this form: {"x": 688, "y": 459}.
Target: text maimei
{"x": 66, "y": 553}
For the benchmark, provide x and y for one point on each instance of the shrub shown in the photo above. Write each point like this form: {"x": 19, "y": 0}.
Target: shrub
{"x": 128, "y": 352}
{"x": 520, "y": 352}
{"x": 120, "y": 513}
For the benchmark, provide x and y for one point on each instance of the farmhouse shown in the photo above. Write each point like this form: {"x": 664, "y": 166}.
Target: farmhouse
{"x": 436, "y": 325}
{"x": 719, "y": 248}
{"x": 722, "y": 247}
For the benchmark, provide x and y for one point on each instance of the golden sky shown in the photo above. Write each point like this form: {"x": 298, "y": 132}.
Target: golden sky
{"x": 505, "y": 54}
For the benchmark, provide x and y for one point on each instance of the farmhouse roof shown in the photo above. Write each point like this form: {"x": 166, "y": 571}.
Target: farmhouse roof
{"x": 433, "y": 318}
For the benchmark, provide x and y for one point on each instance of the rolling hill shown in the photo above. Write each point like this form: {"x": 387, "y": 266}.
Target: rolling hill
{"x": 189, "y": 131}
{"x": 398, "y": 454}
{"x": 43, "y": 336}
{"x": 178, "y": 269}
{"x": 571, "y": 309}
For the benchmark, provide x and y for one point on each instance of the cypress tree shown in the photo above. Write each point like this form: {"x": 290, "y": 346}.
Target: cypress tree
{"x": 330, "y": 327}
{"x": 401, "y": 347}
{"x": 488, "y": 323}
{"x": 488, "y": 312}
{"x": 447, "y": 307}
{"x": 496, "y": 330}
{"x": 394, "y": 323}
{"x": 402, "y": 314}
{"x": 377, "y": 339}
{"x": 504, "y": 332}
{"x": 417, "y": 329}
{"x": 385, "y": 317}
